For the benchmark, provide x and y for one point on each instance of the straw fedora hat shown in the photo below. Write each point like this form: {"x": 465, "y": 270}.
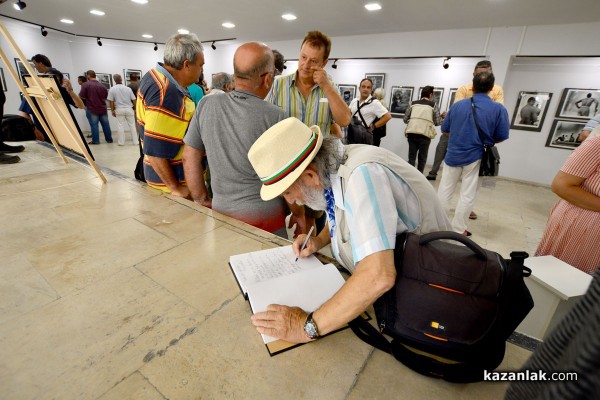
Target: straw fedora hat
{"x": 282, "y": 153}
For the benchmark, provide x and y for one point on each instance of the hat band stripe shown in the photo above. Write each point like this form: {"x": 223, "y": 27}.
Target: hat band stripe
{"x": 289, "y": 168}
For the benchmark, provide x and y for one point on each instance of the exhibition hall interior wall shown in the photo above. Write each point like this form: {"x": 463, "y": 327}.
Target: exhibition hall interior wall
{"x": 534, "y": 59}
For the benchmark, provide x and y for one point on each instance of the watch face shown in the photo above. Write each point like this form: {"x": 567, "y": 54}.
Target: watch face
{"x": 311, "y": 329}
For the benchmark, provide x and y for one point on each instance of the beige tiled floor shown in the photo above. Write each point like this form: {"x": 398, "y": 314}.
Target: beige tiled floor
{"x": 116, "y": 291}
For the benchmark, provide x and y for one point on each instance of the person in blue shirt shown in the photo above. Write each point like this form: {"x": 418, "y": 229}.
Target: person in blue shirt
{"x": 465, "y": 147}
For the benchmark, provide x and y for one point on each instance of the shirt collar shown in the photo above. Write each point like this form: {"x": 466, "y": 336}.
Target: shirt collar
{"x": 366, "y": 100}
{"x": 295, "y": 78}
{"x": 244, "y": 93}
{"x": 160, "y": 68}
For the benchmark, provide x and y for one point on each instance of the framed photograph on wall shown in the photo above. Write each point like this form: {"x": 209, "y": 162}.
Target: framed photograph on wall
{"x": 21, "y": 69}
{"x": 451, "y": 97}
{"x": 3, "y": 81}
{"x": 105, "y": 79}
{"x": 564, "y": 134}
{"x": 400, "y": 98}
{"x": 67, "y": 75}
{"x": 579, "y": 104}
{"x": 530, "y": 111}
{"x": 438, "y": 95}
{"x": 127, "y": 73}
{"x": 348, "y": 92}
{"x": 378, "y": 80}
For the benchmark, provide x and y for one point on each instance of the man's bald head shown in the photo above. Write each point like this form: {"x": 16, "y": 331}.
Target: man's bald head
{"x": 251, "y": 60}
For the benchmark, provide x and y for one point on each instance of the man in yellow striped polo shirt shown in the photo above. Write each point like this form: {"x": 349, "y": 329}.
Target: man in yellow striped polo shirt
{"x": 164, "y": 110}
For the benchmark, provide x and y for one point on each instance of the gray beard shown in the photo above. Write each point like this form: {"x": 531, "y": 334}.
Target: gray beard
{"x": 313, "y": 198}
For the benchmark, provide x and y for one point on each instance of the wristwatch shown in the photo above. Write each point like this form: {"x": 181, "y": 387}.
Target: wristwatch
{"x": 310, "y": 327}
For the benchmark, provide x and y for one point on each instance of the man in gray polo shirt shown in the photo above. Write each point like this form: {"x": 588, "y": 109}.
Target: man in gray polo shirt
{"x": 224, "y": 128}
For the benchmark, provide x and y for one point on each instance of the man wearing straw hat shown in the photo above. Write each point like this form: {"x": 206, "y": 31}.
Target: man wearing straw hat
{"x": 370, "y": 195}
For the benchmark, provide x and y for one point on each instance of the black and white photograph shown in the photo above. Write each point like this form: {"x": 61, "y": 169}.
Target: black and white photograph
{"x": 127, "y": 73}
{"x": 67, "y": 75}
{"x": 438, "y": 95}
{"x": 400, "y": 99}
{"x": 530, "y": 111}
{"x": 451, "y": 97}
{"x": 21, "y": 69}
{"x": 3, "y": 81}
{"x": 348, "y": 92}
{"x": 105, "y": 79}
{"x": 579, "y": 103}
{"x": 564, "y": 134}
{"x": 377, "y": 79}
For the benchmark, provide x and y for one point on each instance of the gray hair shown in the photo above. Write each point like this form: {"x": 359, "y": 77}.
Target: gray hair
{"x": 220, "y": 80}
{"x": 328, "y": 159}
{"x": 180, "y": 48}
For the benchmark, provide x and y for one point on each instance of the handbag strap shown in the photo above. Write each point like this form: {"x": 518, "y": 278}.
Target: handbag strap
{"x": 369, "y": 334}
{"x": 358, "y": 110}
{"x": 477, "y": 125}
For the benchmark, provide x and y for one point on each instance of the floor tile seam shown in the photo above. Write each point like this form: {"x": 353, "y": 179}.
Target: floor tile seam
{"x": 360, "y": 371}
{"x": 129, "y": 376}
{"x": 205, "y": 315}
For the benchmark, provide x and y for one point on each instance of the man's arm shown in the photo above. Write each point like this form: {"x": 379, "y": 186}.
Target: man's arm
{"x": 194, "y": 175}
{"x": 76, "y": 99}
{"x": 163, "y": 168}
{"x": 382, "y": 120}
{"x": 591, "y": 124}
{"x": 374, "y": 275}
{"x": 337, "y": 105}
{"x": 112, "y": 108}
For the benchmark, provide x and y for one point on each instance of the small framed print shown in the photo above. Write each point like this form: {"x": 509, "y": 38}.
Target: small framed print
{"x": 3, "y": 81}
{"x": 21, "y": 69}
{"x": 438, "y": 95}
{"x": 105, "y": 79}
{"x": 128, "y": 73}
{"x": 530, "y": 111}
{"x": 400, "y": 99}
{"x": 451, "y": 98}
{"x": 579, "y": 104}
{"x": 348, "y": 92}
{"x": 565, "y": 134}
{"x": 377, "y": 79}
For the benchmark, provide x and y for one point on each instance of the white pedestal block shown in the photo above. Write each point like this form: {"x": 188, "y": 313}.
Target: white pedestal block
{"x": 555, "y": 287}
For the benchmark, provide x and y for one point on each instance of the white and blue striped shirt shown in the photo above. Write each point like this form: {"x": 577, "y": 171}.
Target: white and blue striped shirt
{"x": 378, "y": 205}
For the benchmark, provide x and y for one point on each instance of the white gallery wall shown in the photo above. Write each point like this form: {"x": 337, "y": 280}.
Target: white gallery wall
{"x": 524, "y": 155}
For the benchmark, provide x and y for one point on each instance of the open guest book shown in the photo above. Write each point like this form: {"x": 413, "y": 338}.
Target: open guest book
{"x": 274, "y": 277}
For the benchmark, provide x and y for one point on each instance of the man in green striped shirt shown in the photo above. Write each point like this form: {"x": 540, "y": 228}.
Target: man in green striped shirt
{"x": 308, "y": 94}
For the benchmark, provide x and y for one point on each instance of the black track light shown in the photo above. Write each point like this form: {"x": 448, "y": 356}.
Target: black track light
{"x": 99, "y": 42}
{"x": 213, "y": 46}
{"x": 19, "y": 5}
{"x": 44, "y": 31}
{"x": 155, "y": 47}
{"x": 334, "y": 66}
{"x": 445, "y": 63}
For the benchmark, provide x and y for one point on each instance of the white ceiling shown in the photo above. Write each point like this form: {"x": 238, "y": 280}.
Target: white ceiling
{"x": 261, "y": 19}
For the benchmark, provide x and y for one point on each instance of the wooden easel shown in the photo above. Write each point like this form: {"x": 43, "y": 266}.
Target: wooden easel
{"x": 62, "y": 129}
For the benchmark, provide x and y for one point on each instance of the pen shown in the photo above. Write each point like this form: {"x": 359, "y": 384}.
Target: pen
{"x": 305, "y": 240}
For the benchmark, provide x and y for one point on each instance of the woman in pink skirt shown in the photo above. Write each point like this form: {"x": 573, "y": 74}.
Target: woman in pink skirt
{"x": 573, "y": 230}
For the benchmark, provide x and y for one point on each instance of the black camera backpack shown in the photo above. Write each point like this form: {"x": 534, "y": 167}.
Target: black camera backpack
{"x": 452, "y": 308}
